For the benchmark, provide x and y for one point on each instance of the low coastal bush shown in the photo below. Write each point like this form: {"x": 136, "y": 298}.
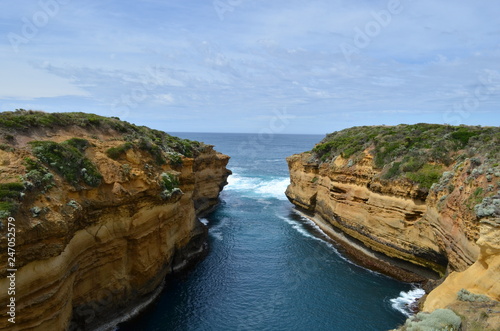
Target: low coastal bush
{"x": 153, "y": 149}
{"x": 418, "y": 152}
{"x": 116, "y": 152}
{"x": 438, "y": 320}
{"x": 68, "y": 161}
{"x": 10, "y": 194}
{"x": 464, "y": 295}
{"x": 426, "y": 176}
{"x": 169, "y": 184}
{"x": 37, "y": 176}
{"x": 489, "y": 207}
{"x": 150, "y": 140}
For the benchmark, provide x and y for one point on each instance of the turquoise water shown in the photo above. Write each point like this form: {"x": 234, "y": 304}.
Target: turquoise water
{"x": 268, "y": 267}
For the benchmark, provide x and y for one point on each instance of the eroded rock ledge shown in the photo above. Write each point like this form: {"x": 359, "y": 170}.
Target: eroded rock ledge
{"x": 90, "y": 250}
{"x": 424, "y": 194}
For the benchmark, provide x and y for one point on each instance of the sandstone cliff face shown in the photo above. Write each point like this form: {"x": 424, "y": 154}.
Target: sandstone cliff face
{"x": 442, "y": 228}
{"x": 87, "y": 255}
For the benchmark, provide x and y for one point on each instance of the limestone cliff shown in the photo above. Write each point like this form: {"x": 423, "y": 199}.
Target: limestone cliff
{"x": 104, "y": 211}
{"x": 423, "y": 194}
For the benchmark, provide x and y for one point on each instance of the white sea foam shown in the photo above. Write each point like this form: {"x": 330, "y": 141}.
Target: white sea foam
{"x": 324, "y": 238}
{"x": 217, "y": 235}
{"x": 258, "y": 186}
{"x": 299, "y": 227}
{"x": 406, "y": 300}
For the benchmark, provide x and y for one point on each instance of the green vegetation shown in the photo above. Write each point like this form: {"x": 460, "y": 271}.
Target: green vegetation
{"x": 419, "y": 152}
{"x": 155, "y": 142}
{"x": 10, "y": 190}
{"x": 78, "y": 143}
{"x": 464, "y": 295}
{"x": 116, "y": 152}
{"x": 10, "y": 193}
{"x": 427, "y": 175}
{"x": 68, "y": 161}
{"x": 6, "y": 148}
{"x": 169, "y": 184}
{"x": 169, "y": 181}
{"x": 37, "y": 176}
{"x": 153, "y": 149}
{"x": 438, "y": 320}
{"x": 175, "y": 159}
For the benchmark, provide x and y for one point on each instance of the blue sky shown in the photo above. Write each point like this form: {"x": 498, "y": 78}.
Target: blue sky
{"x": 252, "y": 65}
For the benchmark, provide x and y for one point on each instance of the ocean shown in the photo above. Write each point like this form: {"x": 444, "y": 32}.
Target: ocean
{"x": 269, "y": 268}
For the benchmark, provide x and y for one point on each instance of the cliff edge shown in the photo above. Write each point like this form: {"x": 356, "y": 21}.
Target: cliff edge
{"x": 418, "y": 198}
{"x": 102, "y": 210}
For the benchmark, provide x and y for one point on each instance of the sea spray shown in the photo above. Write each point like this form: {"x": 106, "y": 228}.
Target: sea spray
{"x": 259, "y": 187}
{"x": 406, "y": 301}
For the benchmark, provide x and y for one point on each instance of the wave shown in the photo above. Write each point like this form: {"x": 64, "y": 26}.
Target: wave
{"x": 321, "y": 236}
{"x": 406, "y": 301}
{"x": 273, "y": 187}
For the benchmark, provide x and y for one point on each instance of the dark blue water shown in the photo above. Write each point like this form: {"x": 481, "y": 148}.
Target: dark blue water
{"x": 268, "y": 267}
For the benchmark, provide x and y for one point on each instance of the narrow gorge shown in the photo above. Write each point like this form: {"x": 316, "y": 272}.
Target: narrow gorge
{"x": 104, "y": 210}
{"x": 418, "y": 202}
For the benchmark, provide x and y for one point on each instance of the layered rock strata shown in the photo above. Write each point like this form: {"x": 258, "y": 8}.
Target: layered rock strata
{"x": 90, "y": 255}
{"x": 451, "y": 228}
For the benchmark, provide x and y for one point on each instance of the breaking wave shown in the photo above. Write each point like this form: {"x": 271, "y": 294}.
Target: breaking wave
{"x": 258, "y": 187}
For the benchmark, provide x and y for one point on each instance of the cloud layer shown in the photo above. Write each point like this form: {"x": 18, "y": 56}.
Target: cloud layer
{"x": 232, "y": 65}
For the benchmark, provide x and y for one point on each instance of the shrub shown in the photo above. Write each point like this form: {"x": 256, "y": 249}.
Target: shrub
{"x": 426, "y": 176}
{"x": 464, "y": 295}
{"x": 393, "y": 171}
{"x": 489, "y": 207}
{"x": 463, "y": 135}
{"x": 438, "y": 320}
{"x": 169, "y": 181}
{"x": 68, "y": 161}
{"x": 175, "y": 159}
{"x": 10, "y": 190}
{"x": 37, "y": 176}
{"x": 10, "y": 193}
{"x": 116, "y": 152}
{"x": 7, "y": 208}
{"x": 153, "y": 149}
{"x": 78, "y": 143}
{"x": 170, "y": 185}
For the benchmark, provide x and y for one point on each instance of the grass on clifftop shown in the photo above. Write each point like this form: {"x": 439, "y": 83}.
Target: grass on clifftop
{"x": 152, "y": 141}
{"x": 418, "y": 152}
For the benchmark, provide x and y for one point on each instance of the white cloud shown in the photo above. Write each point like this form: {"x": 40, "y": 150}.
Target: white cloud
{"x": 20, "y": 80}
{"x": 262, "y": 56}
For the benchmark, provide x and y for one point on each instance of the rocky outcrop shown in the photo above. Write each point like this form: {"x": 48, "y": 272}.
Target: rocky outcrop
{"x": 451, "y": 228}
{"x": 87, "y": 255}
{"x": 385, "y": 218}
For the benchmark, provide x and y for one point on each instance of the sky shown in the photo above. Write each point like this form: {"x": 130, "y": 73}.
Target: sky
{"x": 256, "y": 66}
